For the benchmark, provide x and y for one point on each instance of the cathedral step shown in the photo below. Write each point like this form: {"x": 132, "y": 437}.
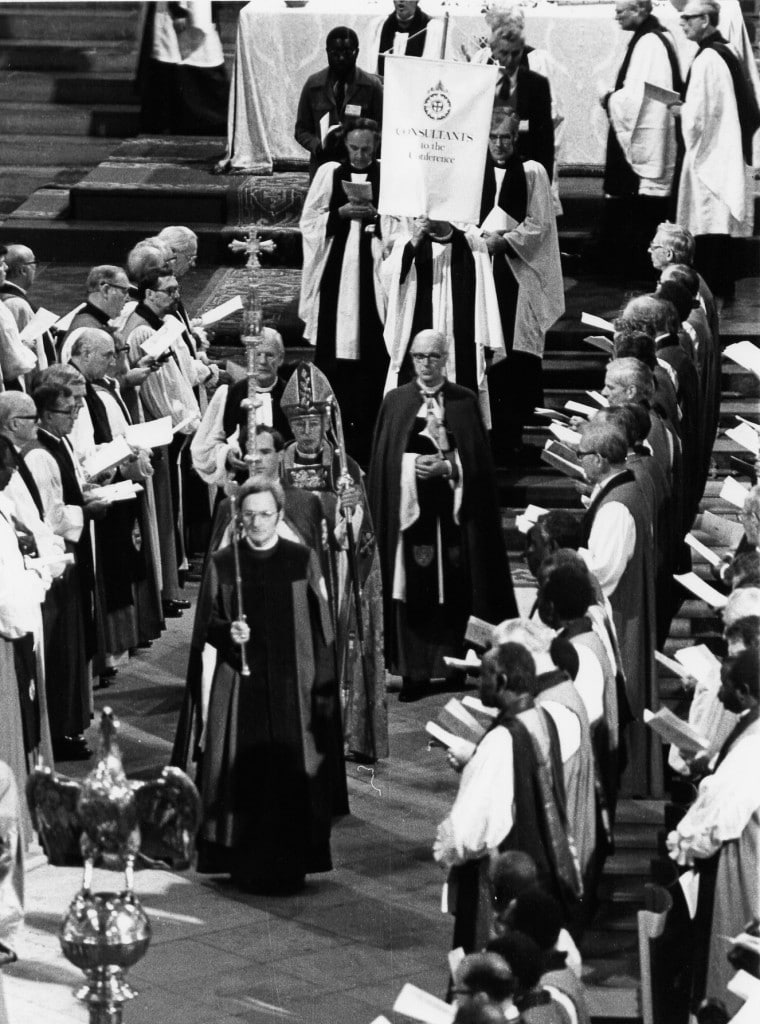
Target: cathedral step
{"x": 67, "y": 87}
{"x": 68, "y": 119}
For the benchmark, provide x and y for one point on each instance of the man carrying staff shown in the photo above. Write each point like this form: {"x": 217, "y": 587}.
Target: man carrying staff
{"x": 265, "y": 779}
{"x": 433, "y": 498}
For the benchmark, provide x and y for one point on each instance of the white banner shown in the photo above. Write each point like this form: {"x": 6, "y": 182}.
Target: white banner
{"x": 436, "y": 120}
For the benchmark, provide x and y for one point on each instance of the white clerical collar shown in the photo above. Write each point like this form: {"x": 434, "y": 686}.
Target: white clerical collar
{"x": 442, "y": 239}
{"x": 263, "y": 390}
{"x": 263, "y": 547}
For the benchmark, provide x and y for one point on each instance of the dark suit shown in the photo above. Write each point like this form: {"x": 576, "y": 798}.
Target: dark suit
{"x": 534, "y": 105}
{"x": 318, "y": 99}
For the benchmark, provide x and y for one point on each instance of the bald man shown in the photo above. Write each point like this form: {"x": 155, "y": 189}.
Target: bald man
{"x": 21, "y": 269}
{"x": 432, "y": 492}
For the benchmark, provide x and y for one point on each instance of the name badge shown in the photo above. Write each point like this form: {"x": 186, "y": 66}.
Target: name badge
{"x": 353, "y": 110}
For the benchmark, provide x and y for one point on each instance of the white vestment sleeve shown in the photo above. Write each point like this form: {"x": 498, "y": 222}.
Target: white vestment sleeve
{"x": 209, "y": 447}
{"x": 590, "y": 682}
{"x": 610, "y": 545}
{"x": 726, "y": 801}
{"x": 316, "y": 246}
{"x": 65, "y": 520}
{"x": 712, "y": 136}
{"x": 482, "y": 814}
{"x": 21, "y": 590}
{"x": 645, "y": 128}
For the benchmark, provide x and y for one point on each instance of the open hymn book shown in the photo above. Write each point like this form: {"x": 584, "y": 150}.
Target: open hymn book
{"x": 671, "y": 729}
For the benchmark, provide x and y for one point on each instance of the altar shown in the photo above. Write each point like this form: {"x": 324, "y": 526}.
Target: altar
{"x": 280, "y": 45}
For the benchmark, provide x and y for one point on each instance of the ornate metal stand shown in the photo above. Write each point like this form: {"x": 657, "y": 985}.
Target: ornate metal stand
{"x": 109, "y": 821}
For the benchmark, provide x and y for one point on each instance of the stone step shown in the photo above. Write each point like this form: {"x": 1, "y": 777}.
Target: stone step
{"x": 75, "y": 54}
{"x": 53, "y": 150}
{"x": 96, "y": 21}
{"x": 67, "y": 87}
{"x": 67, "y": 55}
{"x": 68, "y": 119}
{"x": 609, "y": 1004}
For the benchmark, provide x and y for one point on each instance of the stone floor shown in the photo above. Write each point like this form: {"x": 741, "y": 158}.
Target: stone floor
{"x": 336, "y": 954}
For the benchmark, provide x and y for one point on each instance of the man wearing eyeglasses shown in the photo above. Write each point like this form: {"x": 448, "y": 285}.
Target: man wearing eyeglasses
{"x": 16, "y": 359}
{"x": 719, "y": 117}
{"x": 18, "y": 424}
{"x": 166, "y": 392}
{"x": 265, "y": 779}
{"x": 71, "y": 641}
{"x": 618, "y": 550}
{"x": 432, "y": 493}
{"x": 107, "y": 290}
{"x": 20, "y": 273}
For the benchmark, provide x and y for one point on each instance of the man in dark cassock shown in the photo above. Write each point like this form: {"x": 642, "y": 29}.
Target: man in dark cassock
{"x": 264, "y": 776}
{"x": 433, "y": 497}
{"x": 107, "y": 290}
{"x": 642, "y": 138}
{"x": 342, "y": 304}
{"x": 215, "y": 449}
{"x": 119, "y": 535}
{"x": 339, "y": 92}
{"x": 519, "y": 228}
{"x": 302, "y": 522}
{"x": 57, "y": 477}
{"x": 407, "y": 31}
{"x": 527, "y": 93}
{"x": 313, "y": 462}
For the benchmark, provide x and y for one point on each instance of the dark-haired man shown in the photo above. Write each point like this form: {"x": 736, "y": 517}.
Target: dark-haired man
{"x": 720, "y": 834}
{"x": 330, "y": 97}
{"x": 410, "y": 32}
{"x": 497, "y": 806}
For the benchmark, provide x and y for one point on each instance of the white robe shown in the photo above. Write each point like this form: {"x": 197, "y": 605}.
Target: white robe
{"x": 210, "y": 446}
{"x": 645, "y": 129}
{"x": 725, "y": 817}
{"x": 713, "y": 191}
{"x": 537, "y": 267}
{"x": 316, "y": 249}
{"x": 401, "y": 302}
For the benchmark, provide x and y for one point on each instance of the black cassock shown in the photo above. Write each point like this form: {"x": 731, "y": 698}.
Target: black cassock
{"x": 264, "y": 777}
{"x": 476, "y": 575}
